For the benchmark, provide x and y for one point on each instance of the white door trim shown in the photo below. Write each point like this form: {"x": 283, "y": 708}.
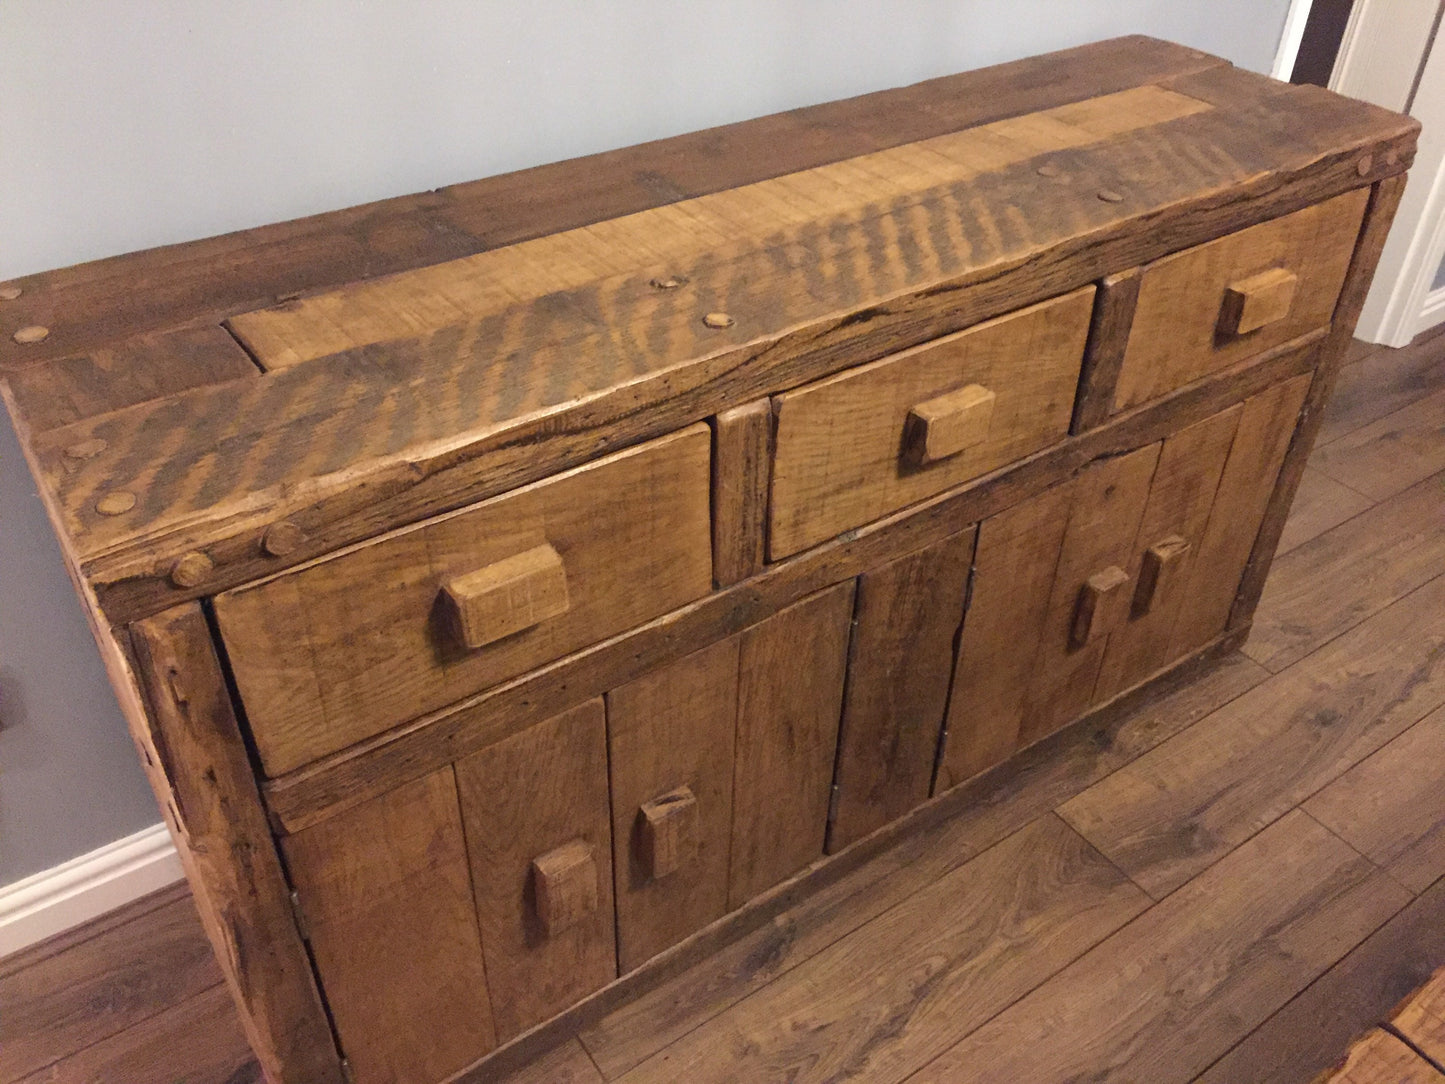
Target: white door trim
{"x": 1289, "y": 42}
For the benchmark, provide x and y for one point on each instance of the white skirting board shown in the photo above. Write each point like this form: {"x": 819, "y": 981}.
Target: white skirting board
{"x": 55, "y": 900}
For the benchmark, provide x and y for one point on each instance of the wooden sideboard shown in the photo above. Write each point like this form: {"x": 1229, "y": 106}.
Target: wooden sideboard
{"x": 518, "y": 589}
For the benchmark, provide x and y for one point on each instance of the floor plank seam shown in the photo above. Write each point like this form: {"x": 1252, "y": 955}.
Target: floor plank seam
{"x": 1389, "y": 1025}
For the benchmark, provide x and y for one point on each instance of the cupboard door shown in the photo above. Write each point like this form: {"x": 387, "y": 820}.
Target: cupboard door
{"x": 1250, "y": 473}
{"x": 539, "y": 835}
{"x": 670, "y": 738}
{"x": 790, "y": 696}
{"x": 900, "y": 662}
{"x": 1014, "y": 566}
{"x": 1169, "y": 538}
{"x": 386, "y": 895}
{"x": 1088, "y": 598}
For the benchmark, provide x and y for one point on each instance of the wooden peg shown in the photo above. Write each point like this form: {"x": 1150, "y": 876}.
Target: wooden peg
{"x": 116, "y": 503}
{"x": 1252, "y": 302}
{"x": 192, "y": 570}
{"x": 10, "y": 293}
{"x": 31, "y": 334}
{"x": 565, "y": 883}
{"x": 668, "y": 825}
{"x": 1159, "y": 571}
{"x": 506, "y": 597}
{"x": 948, "y": 424}
{"x": 281, "y": 538}
{"x": 718, "y": 320}
{"x": 1102, "y": 605}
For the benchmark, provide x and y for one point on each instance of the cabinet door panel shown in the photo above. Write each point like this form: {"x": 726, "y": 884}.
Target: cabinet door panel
{"x": 387, "y": 897}
{"x": 1014, "y": 567}
{"x": 1175, "y": 517}
{"x": 539, "y": 835}
{"x": 789, "y": 700}
{"x": 1108, "y": 504}
{"x": 899, "y": 665}
{"x": 1250, "y": 473}
{"x": 670, "y": 729}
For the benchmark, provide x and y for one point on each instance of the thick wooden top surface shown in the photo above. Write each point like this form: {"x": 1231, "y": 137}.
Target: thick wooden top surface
{"x": 455, "y": 344}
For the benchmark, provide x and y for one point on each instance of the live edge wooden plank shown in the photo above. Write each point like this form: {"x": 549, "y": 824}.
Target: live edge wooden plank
{"x": 355, "y": 475}
{"x": 194, "y": 755}
{"x": 94, "y": 303}
{"x": 314, "y": 792}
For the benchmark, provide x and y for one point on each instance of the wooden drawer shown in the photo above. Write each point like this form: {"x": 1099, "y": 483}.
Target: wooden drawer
{"x": 1208, "y": 307}
{"x": 342, "y": 649}
{"x": 866, "y": 442}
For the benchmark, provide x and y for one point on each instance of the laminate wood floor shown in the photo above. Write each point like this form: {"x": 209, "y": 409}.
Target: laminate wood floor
{"x": 1227, "y": 885}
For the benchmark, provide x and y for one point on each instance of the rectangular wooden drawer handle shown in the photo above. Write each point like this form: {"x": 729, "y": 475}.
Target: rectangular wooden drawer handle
{"x": 565, "y": 881}
{"x": 948, "y": 424}
{"x": 506, "y": 597}
{"x": 668, "y": 824}
{"x": 1252, "y": 302}
{"x": 1159, "y": 570}
{"x": 1102, "y": 605}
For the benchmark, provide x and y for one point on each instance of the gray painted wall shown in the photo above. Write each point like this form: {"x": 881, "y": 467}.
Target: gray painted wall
{"x": 139, "y": 123}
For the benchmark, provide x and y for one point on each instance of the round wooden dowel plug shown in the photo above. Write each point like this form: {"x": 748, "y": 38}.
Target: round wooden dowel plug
{"x": 116, "y": 504}
{"x": 10, "y": 293}
{"x": 281, "y": 538}
{"x": 718, "y": 320}
{"x": 32, "y": 334}
{"x": 192, "y": 570}
{"x": 1108, "y": 195}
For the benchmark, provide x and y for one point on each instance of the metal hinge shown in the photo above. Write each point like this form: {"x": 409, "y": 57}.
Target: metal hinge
{"x": 300, "y": 917}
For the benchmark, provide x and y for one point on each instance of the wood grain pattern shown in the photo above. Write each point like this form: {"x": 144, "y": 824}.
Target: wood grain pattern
{"x": 900, "y": 662}
{"x": 1108, "y": 502}
{"x": 1331, "y": 584}
{"x": 241, "y": 270}
{"x": 57, "y": 1002}
{"x": 1421, "y": 1019}
{"x": 190, "y": 743}
{"x": 1381, "y": 1058}
{"x": 1181, "y": 495}
{"x": 1392, "y": 454}
{"x": 1241, "y": 504}
{"x": 150, "y": 366}
{"x": 197, "y": 1040}
{"x": 485, "y": 441}
{"x": 742, "y": 460}
{"x": 947, "y": 833}
{"x": 885, "y": 999}
{"x": 1183, "y": 805}
{"x": 567, "y": 1064}
{"x": 312, "y": 793}
{"x": 1381, "y": 382}
{"x": 1014, "y": 565}
{"x": 521, "y": 798}
{"x": 790, "y": 699}
{"x": 671, "y": 728}
{"x": 838, "y": 463}
{"x": 387, "y": 899}
{"x": 1320, "y": 504}
{"x": 1388, "y": 806}
{"x": 1177, "y": 337}
{"x": 1174, "y": 989}
{"x": 347, "y": 647}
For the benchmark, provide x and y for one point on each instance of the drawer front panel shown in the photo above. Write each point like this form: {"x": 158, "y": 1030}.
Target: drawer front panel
{"x": 872, "y": 440}
{"x": 1209, "y": 307}
{"x": 343, "y": 649}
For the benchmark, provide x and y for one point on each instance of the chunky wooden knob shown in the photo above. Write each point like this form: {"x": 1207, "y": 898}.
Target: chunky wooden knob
{"x": 506, "y": 597}
{"x": 565, "y": 883}
{"x": 948, "y": 424}
{"x": 1252, "y": 302}
{"x": 1159, "y": 571}
{"x": 668, "y": 826}
{"x": 1102, "y": 604}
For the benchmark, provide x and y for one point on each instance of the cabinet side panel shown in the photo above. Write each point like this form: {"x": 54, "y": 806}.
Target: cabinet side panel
{"x": 789, "y": 700}
{"x": 191, "y": 744}
{"x": 899, "y": 666}
{"x": 387, "y": 898}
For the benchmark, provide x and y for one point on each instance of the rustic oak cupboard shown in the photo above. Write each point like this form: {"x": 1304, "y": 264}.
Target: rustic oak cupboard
{"x": 517, "y": 590}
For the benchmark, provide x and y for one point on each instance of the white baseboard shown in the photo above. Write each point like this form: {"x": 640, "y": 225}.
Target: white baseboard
{"x": 55, "y": 900}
